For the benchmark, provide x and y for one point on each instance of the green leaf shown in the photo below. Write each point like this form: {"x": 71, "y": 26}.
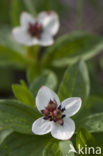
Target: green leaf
{"x": 8, "y": 40}
{"x": 94, "y": 123}
{"x": 52, "y": 148}
{"x": 9, "y": 56}
{"x": 95, "y": 77}
{"x": 4, "y": 133}
{"x": 65, "y": 147}
{"x": 57, "y": 148}
{"x": 10, "y": 51}
{"x": 70, "y": 48}
{"x": 48, "y": 78}
{"x": 95, "y": 104}
{"x": 16, "y": 116}
{"x": 17, "y": 7}
{"x": 23, "y": 94}
{"x": 84, "y": 138}
{"x": 75, "y": 82}
{"x": 33, "y": 72}
{"x": 23, "y": 145}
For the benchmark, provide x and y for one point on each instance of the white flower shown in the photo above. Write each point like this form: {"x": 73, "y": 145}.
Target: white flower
{"x": 56, "y": 115}
{"x": 37, "y": 31}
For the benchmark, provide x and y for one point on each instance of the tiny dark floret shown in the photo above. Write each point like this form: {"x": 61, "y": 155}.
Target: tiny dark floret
{"x": 54, "y": 113}
{"x": 35, "y": 29}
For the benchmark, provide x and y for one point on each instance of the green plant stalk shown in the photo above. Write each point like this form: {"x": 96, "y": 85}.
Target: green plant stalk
{"x": 33, "y": 53}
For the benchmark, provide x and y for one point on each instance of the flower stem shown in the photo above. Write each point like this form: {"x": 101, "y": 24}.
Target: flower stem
{"x": 32, "y": 53}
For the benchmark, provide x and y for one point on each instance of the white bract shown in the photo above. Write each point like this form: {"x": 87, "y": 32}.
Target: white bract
{"x": 55, "y": 114}
{"x": 38, "y": 30}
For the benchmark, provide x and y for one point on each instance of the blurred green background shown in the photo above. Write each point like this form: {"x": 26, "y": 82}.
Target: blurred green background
{"x": 86, "y": 15}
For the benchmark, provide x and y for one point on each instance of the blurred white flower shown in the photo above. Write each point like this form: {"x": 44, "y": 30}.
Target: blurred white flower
{"x": 37, "y": 31}
{"x": 55, "y": 114}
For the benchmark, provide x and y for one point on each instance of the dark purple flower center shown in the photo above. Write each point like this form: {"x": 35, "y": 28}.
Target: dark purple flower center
{"x": 35, "y": 29}
{"x": 54, "y": 113}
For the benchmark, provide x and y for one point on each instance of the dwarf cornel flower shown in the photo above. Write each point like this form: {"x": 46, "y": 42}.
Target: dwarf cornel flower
{"x": 37, "y": 31}
{"x": 55, "y": 114}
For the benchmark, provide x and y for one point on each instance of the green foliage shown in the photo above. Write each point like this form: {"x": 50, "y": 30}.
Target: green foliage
{"x": 75, "y": 82}
{"x": 94, "y": 123}
{"x": 23, "y": 145}
{"x": 23, "y": 94}
{"x": 95, "y": 104}
{"x": 34, "y": 145}
{"x": 10, "y": 51}
{"x": 48, "y": 79}
{"x": 72, "y": 47}
{"x": 16, "y": 116}
{"x": 57, "y": 148}
{"x": 8, "y": 40}
{"x": 95, "y": 72}
{"x": 33, "y": 72}
{"x": 4, "y": 133}
{"x": 9, "y": 56}
{"x": 84, "y": 138}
